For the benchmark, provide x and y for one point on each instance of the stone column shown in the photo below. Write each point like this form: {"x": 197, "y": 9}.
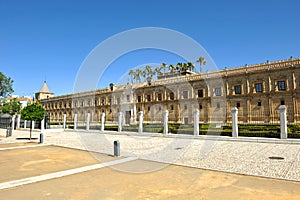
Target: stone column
{"x": 25, "y": 123}
{"x": 18, "y": 120}
{"x": 75, "y": 121}
{"x": 88, "y": 117}
{"x": 65, "y": 121}
{"x": 235, "y": 131}
{"x": 141, "y": 119}
{"x": 196, "y": 122}
{"x": 166, "y": 115}
{"x": 120, "y": 120}
{"x": 102, "y": 121}
{"x": 32, "y": 124}
{"x": 283, "y": 122}
{"x": 43, "y": 124}
{"x": 13, "y": 119}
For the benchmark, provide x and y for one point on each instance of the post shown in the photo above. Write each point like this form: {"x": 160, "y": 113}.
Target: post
{"x": 43, "y": 124}
{"x": 75, "y": 121}
{"x": 65, "y": 121}
{"x": 88, "y": 121}
{"x": 117, "y": 148}
{"x": 166, "y": 115}
{"x": 25, "y": 123}
{"x": 120, "y": 118}
{"x": 32, "y": 124}
{"x": 102, "y": 121}
{"x": 141, "y": 119}
{"x": 18, "y": 121}
{"x": 283, "y": 122}
{"x": 41, "y": 138}
{"x": 235, "y": 131}
{"x": 13, "y": 119}
{"x": 196, "y": 122}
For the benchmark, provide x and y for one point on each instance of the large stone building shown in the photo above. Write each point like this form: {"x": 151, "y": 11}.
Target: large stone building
{"x": 256, "y": 90}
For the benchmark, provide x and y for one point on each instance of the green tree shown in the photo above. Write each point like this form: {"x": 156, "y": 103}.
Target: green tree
{"x": 11, "y": 107}
{"x": 191, "y": 66}
{"x": 5, "y": 85}
{"x": 172, "y": 68}
{"x": 33, "y": 112}
{"x": 158, "y": 70}
{"x": 164, "y": 66}
{"x": 132, "y": 74}
{"x": 201, "y": 61}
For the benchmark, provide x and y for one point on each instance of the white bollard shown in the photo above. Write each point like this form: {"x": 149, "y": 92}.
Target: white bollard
{"x": 18, "y": 121}
{"x": 166, "y": 115}
{"x": 235, "y": 131}
{"x": 196, "y": 122}
{"x": 32, "y": 124}
{"x": 120, "y": 119}
{"x": 141, "y": 119}
{"x": 25, "y": 123}
{"x": 75, "y": 121}
{"x": 88, "y": 121}
{"x": 102, "y": 121}
{"x": 43, "y": 124}
{"x": 65, "y": 121}
{"x": 283, "y": 122}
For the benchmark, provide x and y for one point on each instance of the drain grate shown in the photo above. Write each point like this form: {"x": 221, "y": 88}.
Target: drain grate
{"x": 276, "y": 158}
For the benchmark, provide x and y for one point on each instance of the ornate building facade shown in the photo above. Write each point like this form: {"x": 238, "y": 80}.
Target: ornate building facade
{"x": 257, "y": 91}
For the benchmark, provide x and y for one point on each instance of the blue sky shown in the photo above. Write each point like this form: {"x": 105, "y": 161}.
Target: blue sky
{"x": 49, "y": 39}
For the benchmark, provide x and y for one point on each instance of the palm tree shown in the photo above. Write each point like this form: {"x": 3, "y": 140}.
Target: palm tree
{"x": 172, "y": 68}
{"x": 179, "y": 67}
{"x": 201, "y": 61}
{"x": 191, "y": 66}
{"x": 158, "y": 70}
{"x": 132, "y": 74}
{"x": 138, "y": 74}
{"x": 164, "y": 66}
{"x": 149, "y": 71}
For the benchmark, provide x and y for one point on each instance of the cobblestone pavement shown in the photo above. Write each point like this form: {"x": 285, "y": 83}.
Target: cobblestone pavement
{"x": 251, "y": 158}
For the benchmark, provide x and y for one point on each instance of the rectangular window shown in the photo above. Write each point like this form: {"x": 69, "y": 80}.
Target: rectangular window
{"x": 258, "y": 87}
{"x": 110, "y": 101}
{"x": 281, "y": 85}
{"x": 148, "y": 97}
{"x": 218, "y": 91}
{"x": 185, "y": 94}
{"x": 171, "y": 96}
{"x": 102, "y": 101}
{"x": 200, "y": 93}
{"x": 139, "y": 98}
{"x": 185, "y": 107}
{"x": 200, "y": 106}
{"x": 237, "y": 89}
{"x": 282, "y": 102}
{"x": 171, "y": 107}
{"x": 238, "y": 104}
{"x": 159, "y": 97}
{"x": 127, "y": 97}
{"x": 259, "y": 103}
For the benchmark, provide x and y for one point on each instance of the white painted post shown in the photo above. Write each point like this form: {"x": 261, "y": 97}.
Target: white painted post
{"x": 13, "y": 122}
{"x": 65, "y": 121}
{"x": 18, "y": 120}
{"x": 102, "y": 121}
{"x": 25, "y": 123}
{"x": 88, "y": 121}
{"x": 75, "y": 121}
{"x": 166, "y": 115}
{"x": 120, "y": 119}
{"x": 141, "y": 119}
{"x": 235, "y": 131}
{"x": 196, "y": 122}
{"x": 32, "y": 124}
{"x": 283, "y": 122}
{"x": 43, "y": 124}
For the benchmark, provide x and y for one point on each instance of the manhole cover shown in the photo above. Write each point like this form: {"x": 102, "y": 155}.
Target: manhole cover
{"x": 276, "y": 158}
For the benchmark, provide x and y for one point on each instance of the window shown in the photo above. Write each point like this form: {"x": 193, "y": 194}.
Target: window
{"x": 96, "y": 103}
{"x": 237, "y": 89}
{"x": 102, "y": 101}
{"x": 148, "y": 97}
{"x": 185, "y": 107}
{"x": 110, "y": 101}
{"x": 185, "y": 94}
{"x": 171, "y": 107}
{"x": 218, "y": 91}
{"x": 159, "y": 98}
{"x": 200, "y": 106}
{"x": 171, "y": 96}
{"x": 200, "y": 93}
{"x": 282, "y": 102}
{"x": 238, "y": 104}
{"x": 127, "y": 97}
{"x": 281, "y": 85}
{"x": 258, "y": 87}
{"x": 139, "y": 98}
{"x": 259, "y": 103}
{"x": 148, "y": 108}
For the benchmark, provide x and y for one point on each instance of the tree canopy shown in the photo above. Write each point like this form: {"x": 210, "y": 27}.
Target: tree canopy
{"x": 33, "y": 112}
{"x": 5, "y": 85}
{"x": 11, "y": 107}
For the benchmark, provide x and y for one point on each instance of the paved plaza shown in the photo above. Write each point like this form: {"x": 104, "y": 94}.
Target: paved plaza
{"x": 80, "y": 165}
